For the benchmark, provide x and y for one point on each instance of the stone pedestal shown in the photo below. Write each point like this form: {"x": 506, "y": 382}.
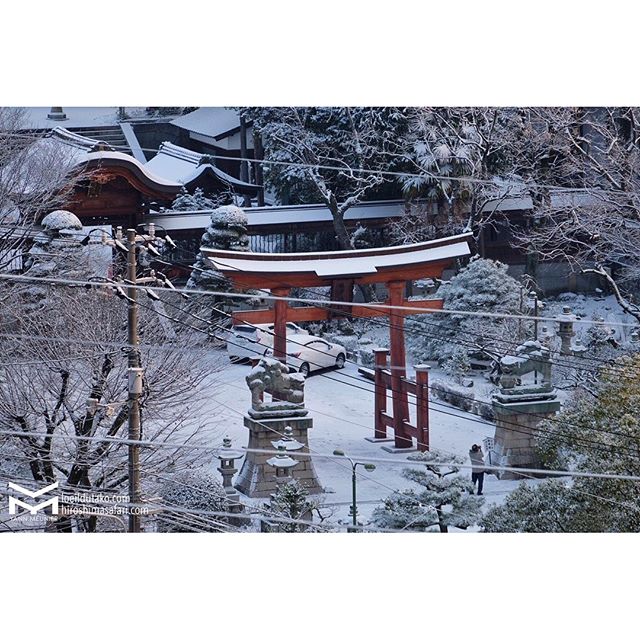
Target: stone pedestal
{"x": 257, "y": 479}
{"x": 516, "y": 427}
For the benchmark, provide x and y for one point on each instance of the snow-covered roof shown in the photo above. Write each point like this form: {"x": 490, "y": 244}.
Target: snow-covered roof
{"x": 290, "y": 214}
{"x": 213, "y": 122}
{"x": 339, "y": 263}
{"x": 183, "y": 165}
{"x": 71, "y": 150}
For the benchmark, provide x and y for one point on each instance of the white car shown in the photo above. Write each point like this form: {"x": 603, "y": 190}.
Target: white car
{"x": 307, "y": 353}
{"x": 249, "y": 340}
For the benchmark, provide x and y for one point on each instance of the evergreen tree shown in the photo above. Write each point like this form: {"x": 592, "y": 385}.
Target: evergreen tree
{"x": 227, "y": 230}
{"x": 308, "y": 139}
{"x": 56, "y": 251}
{"x": 290, "y": 501}
{"x": 195, "y": 201}
{"x": 484, "y": 285}
{"x": 445, "y": 500}
{"x": 550, "y": 507}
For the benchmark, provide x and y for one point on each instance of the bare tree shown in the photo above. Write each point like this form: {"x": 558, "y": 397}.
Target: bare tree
{"x": 63, "y": 378}
{"x": 596, "y": 230}
{"x": 35, "y": 177}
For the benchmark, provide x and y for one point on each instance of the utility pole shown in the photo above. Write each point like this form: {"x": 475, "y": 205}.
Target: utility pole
{"x": 135, "y": 371}
{"x": 135, "y": 383}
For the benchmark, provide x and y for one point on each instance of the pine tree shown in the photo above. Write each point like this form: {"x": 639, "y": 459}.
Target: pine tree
{"x": 290, "y": 501}
{"x": 446, "y": 499}
{"x": 484, "y": 285}
{"x": 227, "y": 230}
{"x": 56, "y": 251}
{"x": 550, "y": 507}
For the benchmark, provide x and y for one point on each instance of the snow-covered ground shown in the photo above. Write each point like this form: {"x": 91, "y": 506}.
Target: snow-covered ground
{"x": 341, "y": 405}
{"x": 342, "y": 418}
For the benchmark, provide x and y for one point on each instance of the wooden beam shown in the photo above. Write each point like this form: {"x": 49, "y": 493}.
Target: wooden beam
{"x": 317, "y": 314}
{"x": 267, "y": 316}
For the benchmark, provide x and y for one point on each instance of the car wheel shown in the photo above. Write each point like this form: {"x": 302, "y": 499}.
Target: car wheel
{"x": 305, "y": 369}
{"x": 340, "y": 361}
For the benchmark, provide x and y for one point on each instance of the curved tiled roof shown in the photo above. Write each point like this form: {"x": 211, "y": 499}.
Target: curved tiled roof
{"x": 186, "y": 167}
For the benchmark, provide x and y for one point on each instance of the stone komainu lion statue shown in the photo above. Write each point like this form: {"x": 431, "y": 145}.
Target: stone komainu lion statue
{"x": 272, "y": 376}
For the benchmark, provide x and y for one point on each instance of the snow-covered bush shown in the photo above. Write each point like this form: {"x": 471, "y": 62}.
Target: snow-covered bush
{"x": 457, "y": 365}
{"x": 195, "y": 201}
{"x": 549, "y": 507}
{"x": 193, "y": 489}
{"x": 462, "y": 399}
{"x": 445, "y": 500}
{"x": 457, "y": 397}
{"x": 350, "y": 342}
{"x": 362, "y": 238}
{"x": 484, "y": 285}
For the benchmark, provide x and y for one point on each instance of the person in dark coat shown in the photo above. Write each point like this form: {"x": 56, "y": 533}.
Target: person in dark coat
{"x": 477, "y": 467}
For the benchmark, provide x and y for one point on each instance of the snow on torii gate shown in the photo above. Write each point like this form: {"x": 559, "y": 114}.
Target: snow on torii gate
{"x": 341, "y": 270}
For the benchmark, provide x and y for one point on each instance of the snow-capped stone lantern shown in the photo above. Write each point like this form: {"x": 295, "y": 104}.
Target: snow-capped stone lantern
{"x": 227, "y": 467}
{"x": 579, "y": 349}
{"x": 565, "y": 330}
{"x": 287, "y": 441}
{"x": 283, "y": 464}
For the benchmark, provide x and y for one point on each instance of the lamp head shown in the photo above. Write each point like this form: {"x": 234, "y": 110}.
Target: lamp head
{"x": 338, "y": 452}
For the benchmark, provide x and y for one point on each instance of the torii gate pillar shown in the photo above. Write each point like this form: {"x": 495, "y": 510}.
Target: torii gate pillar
{"x": 280, "y": 324}
{"x": 402, "y": 440}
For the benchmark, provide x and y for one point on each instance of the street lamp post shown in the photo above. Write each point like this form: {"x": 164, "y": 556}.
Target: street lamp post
{"x": 368, "y": 467}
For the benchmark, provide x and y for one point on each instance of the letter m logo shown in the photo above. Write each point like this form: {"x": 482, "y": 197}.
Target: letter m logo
{"x": 33, "y": 509}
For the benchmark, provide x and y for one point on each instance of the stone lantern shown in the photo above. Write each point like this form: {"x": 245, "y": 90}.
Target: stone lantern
{"x": 565, "y": 330}
{"x": 287, "y": 441}
{"x": 227, "y": 469}
{"x": 283, "y": 464}
{"x": 579, "y": 349}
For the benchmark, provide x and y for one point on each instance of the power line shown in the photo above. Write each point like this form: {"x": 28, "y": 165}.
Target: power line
{"x": 517, "y": 184}
{"x": 560, "y": 421}
{"x": 514, "y": 427}
{"x": 412, "y": 320}
{"x": 392, "y": 461}
{"x": 225, "y": 294}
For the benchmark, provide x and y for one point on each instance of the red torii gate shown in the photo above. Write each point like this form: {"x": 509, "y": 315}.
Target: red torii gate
{"x": 341, "y": 270}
